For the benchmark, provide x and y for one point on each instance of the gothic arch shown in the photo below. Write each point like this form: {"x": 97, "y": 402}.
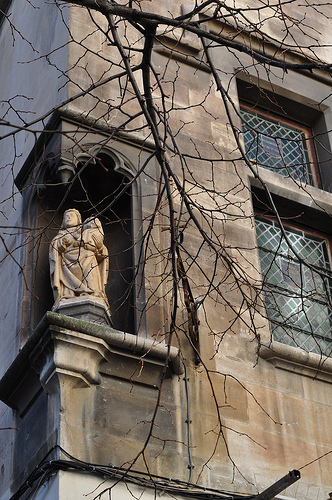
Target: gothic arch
{"x": 91, "y": 181}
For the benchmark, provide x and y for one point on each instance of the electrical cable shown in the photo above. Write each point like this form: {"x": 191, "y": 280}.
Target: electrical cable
{"x": 188, "y": 422}
{"x": 315, "y": 460}
{"x": 48, "y": 468}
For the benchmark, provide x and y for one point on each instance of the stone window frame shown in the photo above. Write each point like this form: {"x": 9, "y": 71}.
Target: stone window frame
{"x": 306, "y": 108}
{"x": 290, "y": 203}
{"x": 294, "y": 359}
{"x": 288, "y": 122}
{"x": 309, "y": 108}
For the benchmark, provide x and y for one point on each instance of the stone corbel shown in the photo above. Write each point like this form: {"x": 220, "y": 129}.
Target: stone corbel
{"x": 65, "y": 168}
{"x": 68, "y": 356}
{"x": 61, "y": 167}
{"x": 65, "y": 353}
{"x": 65, "y": 171}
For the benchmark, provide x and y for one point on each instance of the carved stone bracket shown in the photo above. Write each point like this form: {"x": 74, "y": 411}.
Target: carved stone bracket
{"x": 79, "y": 353}
{"x": 65, "y": 172}
{"x": 68, "y": 354}
{"x": 63, "y": 167}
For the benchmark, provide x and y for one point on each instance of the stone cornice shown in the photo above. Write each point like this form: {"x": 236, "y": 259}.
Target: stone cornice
{"x": 56, "y": 329}
{"x": 298, "y": 360}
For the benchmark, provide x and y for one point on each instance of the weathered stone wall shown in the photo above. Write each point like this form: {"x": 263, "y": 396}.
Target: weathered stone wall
{"x": 31, "y": 84}
{"x": 273, "y": 418}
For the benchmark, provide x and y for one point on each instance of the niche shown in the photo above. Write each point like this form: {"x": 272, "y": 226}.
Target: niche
{"x": 99, "y": 186}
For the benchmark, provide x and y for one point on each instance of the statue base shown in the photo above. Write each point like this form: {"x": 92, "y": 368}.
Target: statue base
{"x": 89, "y": 309}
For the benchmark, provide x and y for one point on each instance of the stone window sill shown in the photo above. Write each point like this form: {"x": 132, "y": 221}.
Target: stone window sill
{"x": 297, "y": 360}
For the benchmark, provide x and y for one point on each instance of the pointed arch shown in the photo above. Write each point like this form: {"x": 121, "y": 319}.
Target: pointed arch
{"x": 97, "y": 181}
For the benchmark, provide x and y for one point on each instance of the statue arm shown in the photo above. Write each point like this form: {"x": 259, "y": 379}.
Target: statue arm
{"x": 104, "y": 265}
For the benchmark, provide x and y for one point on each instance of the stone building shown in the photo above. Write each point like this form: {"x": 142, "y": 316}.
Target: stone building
{"x": 227, "y": 398}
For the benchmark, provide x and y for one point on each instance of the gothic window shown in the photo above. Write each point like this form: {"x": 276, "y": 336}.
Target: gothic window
{"x": 278, "y": 145}
{"x": 297, "y": 282}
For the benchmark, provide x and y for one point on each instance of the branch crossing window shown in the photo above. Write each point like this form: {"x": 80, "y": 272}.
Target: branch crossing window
{"x": 276, "y": 146}
{"x": 297, "y": 290}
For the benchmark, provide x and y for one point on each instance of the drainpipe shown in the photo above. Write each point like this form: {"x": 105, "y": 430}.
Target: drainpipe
{"x": 279, "y": 486}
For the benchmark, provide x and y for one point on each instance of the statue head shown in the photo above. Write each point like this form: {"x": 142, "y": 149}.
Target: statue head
{"x": 71, "y": 218}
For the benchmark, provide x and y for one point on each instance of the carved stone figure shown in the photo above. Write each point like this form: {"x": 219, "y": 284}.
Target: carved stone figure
{"x": 79, "y": 259}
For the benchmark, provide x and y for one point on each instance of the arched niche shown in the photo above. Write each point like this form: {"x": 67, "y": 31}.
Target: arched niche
{"x": 100, "y": 181}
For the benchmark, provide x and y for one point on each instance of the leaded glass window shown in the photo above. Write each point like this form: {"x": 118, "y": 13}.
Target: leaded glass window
{"x": 297, "y": 291}
{"x": 276, "y": 146}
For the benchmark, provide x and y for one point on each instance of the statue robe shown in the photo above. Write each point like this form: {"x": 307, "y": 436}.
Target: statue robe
{"x": 77, "y": 266}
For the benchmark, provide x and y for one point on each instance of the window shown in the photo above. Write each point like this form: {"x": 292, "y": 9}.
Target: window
{"x": 297, "y": 288}
{"x": 279, "y": 145}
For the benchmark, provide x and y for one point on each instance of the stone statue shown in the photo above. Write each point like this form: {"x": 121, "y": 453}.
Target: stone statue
{"x": 79, "y": 259}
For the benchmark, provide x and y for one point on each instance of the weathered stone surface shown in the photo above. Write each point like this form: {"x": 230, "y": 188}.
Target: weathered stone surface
{"x": 104, "y": 384}
{"x": 79, "y": 260}
{"x": 85, "y": 309}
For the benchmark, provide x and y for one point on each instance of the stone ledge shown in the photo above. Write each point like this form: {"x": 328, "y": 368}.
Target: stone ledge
{"x": 108, "y": 345}
{"x": 69, "y": 355}
{"x": 297, "y": 360}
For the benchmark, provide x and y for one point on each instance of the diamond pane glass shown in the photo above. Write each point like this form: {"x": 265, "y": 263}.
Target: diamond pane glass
{"x": 276, "y": 146}
{"x": 297, "y": 296}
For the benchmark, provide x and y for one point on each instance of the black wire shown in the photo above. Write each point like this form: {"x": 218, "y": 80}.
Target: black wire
{"x": 47, "y": 468}
{"x": 188, "y": 422}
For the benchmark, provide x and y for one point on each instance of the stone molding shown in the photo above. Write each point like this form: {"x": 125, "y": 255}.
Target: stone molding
{"x": 297, "y": 360}
{"x": 68, "y": 348}
{"x": 69, "y": 354}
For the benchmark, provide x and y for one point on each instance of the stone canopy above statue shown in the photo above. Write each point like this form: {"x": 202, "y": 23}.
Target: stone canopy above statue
{"x": 79, "y": 269}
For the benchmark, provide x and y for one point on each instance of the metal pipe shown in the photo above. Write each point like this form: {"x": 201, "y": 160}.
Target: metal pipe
{"x": 279, "y": 486}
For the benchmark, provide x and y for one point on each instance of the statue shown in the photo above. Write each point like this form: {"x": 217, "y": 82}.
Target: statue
{"x": 79, "y": 259}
